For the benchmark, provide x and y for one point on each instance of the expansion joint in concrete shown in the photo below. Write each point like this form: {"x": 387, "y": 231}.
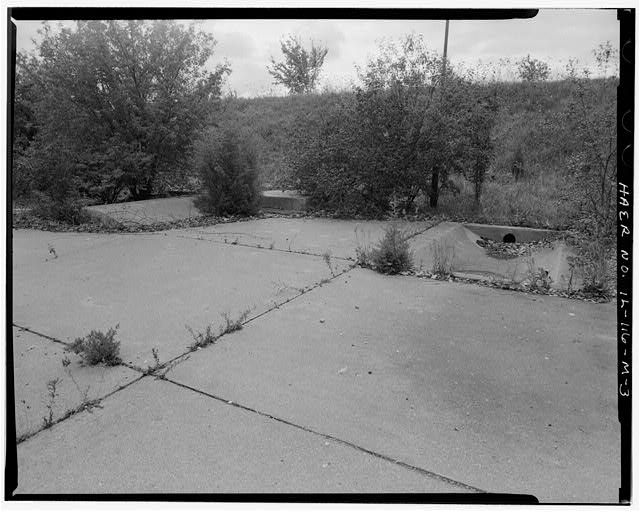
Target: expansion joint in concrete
{"x": 45, "y": 336}
{"x": 411, "y": 467}
{"x": 262, "y": 247}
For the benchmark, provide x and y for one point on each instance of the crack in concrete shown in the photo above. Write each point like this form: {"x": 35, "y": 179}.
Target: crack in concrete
{"x": 151, "y": 371}
{"x": 309, "y": 430}
{"x": 84, "y": 406}
{"x": 305, "y": 253}
{"x": 242, "y": 244}
{"x": 50, "y": 338}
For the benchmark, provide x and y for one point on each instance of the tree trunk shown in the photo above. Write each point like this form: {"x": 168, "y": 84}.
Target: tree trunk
{"x": 433, "y": 194}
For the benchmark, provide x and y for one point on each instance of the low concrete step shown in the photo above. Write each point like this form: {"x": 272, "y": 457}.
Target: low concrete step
{"x": 283, "y": 200}
{"x": 178, "y": 208}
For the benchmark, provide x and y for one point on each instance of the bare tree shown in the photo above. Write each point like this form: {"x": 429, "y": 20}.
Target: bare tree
{"x": 301, "y": 67}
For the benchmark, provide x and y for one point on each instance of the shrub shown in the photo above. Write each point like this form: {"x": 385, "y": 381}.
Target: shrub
{"x": 392, "y": 255}
{"x": 98, "y": 348}
{"x": 226, "y": 162}
{"x": 594, "y": 264}
{"x": 65, "y": 209}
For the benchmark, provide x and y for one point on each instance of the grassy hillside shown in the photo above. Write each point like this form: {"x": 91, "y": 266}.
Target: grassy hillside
{"x": 532, "y": 116}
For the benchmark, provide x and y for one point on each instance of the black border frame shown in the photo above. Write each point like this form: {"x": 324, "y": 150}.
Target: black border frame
{"x": 624, "y": 260}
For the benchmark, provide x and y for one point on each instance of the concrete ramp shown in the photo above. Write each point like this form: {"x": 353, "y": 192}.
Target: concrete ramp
{"x": 455, "y": 246}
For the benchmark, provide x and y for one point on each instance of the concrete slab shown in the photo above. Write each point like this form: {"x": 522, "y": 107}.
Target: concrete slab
{"x": 152, "y": 285}
{"x": 156, "y": 437}
{"x": 146, "y": 212}
{"x": 37, "y": 361}
{"x": 312, "y": 235}
{"x": 470, "y": 260}
{"x": 505, "y": 391}
{"x": 283, "y": 200}
{"x": 33, "y": 247}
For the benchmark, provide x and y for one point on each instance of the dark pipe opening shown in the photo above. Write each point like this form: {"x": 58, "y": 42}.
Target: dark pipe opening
{"x": 509, "y": 238}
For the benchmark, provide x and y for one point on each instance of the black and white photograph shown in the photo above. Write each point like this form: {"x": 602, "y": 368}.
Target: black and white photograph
{"x": 323, "y": 255}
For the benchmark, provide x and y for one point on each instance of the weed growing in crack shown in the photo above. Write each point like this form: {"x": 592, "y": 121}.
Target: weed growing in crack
{"x": 202, "y": 339}
{"x": 151, "y": 369}
{"x": 327, "y": 259}
{"x": 234, "y": 325}
{"x": 324, "y": 280}
{"x": 209, "y": 337}
{"x": 170, "y": 366}
{"x": 98, "y": 348}
{"x": 52, "y": 388}
{"x": 84, "y": 393}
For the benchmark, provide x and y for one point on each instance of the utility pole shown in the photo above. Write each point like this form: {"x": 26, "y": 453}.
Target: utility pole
{"x": 446, "y": 41}
{"x": 435, "y": 173}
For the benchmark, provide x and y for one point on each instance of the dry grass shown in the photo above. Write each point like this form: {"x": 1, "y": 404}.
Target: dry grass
{"x": 542, "y": 201}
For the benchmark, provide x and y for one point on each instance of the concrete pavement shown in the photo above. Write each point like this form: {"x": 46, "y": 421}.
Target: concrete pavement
{"x": 416, "y": 385}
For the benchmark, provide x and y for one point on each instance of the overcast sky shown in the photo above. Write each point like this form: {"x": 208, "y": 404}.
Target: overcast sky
{"x": 554, "y": 35}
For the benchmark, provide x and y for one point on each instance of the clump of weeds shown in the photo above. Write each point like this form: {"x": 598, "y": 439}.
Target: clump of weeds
{"x": 234, "y": 325}
{"x": 202, "y": 339}
{"x": 443, "y": 259}
{"x": 392, "y": 254}
{"x": 538, "y": 279}
{"x": 98, "y": 348}
{"x": 209, "y": 336}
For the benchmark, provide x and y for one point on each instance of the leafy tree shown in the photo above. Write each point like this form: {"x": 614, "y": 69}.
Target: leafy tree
{"x": 401, "y": 134}
{"x": 121, "y": 100}
{"x": 300, "y": 69}
{"x": 481, "y": 121}
{"x": 24, "y": 126}
{"x": 425, "y": 123}
{"x": 533, "y": 70}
